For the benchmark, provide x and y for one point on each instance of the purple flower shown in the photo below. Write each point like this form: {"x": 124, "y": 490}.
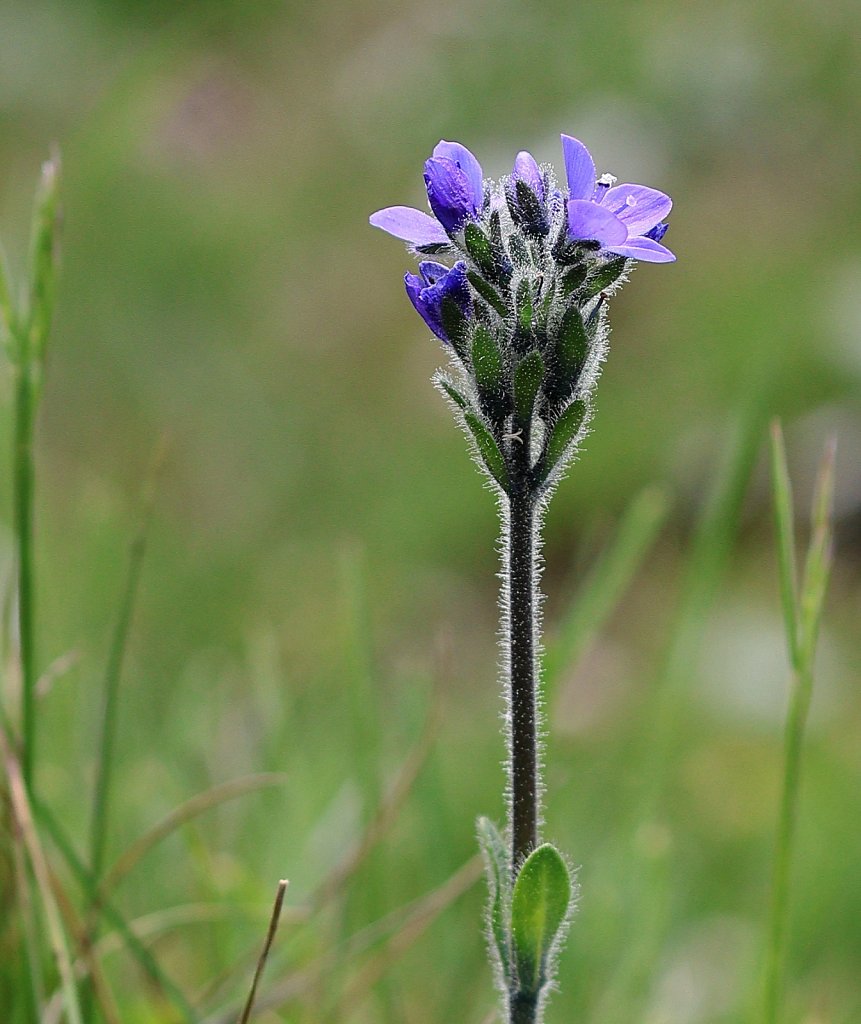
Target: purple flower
{"x": 626, "y": 220}
{"x": 453, "y": 179}
{"x": 437, "y": 283}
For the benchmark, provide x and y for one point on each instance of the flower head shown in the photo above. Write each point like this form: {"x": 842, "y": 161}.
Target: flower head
{"x": 523, "y": 310}
{"x": 429, "y": 291}
{"x": 624, "y": 219}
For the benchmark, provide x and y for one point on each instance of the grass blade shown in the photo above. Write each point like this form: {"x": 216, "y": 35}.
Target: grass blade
{"x": 785, "y": 525}
{"x": 807, "y": 615}
{"x": 56, "y": 936}
{"x": 113, "y": 671}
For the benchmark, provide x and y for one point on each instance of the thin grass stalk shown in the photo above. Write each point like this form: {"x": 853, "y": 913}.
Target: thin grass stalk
{"x": 802, "y": 614}
{"x": 110, "y": 701}
{"x": 111, "y": 685}
{"x": 23, "y": 491}
{"x": 22, "y": 812}
{"x": 274, "y": 919}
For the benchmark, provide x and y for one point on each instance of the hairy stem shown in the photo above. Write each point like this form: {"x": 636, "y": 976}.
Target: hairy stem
{"x": 522, "y": 598}
{"x": 523, "y": 1009}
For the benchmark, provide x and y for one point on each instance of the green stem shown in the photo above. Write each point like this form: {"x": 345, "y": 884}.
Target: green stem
{"x": 785, "y": 841}
{"x": 23, "y": 477}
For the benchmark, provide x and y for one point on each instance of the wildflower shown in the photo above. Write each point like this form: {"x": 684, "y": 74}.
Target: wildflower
{"x": 523, "y": 313}
{"x": 627, "y": 220}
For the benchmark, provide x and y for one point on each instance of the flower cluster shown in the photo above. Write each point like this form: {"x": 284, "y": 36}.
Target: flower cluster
{"x": 522, "y": 306}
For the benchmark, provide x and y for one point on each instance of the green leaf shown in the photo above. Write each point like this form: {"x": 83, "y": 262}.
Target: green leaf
{"x": 454, "y": 394}
{"x": 488, "y": 449}
{"x": 486, "y": 290}
{"x": 486, "y": 361}
{"x": 529, "y": 206}
{"x": 523, "y": 303}
{"x": 527, "y": 380}
{"x": 539, "y": 906}
{"x": 478, "y": 246}
{"x": 572, "y": 279}
{"x": 604, "y": 276}
{"x": 455, "y": 324}
{"x": 498, "y": 883}
{"x": 519, "y": 251}
{"x": 563, "y": 433}
{"x": 572, "y": 343}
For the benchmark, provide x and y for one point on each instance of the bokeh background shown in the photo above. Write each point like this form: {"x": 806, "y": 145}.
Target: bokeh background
{"x": 320, "y": 578}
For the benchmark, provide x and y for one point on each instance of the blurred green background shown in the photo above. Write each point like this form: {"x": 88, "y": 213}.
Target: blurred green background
{"x": 321, "y": 569}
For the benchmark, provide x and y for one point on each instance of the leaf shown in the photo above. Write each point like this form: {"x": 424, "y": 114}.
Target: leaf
{"x": 478, "y": 246}
{"x": 486, "y": 290}
{"x": 523, "y": 303}
{"x": 454, "y": 324}
{"x": 454, "y": 394}
{"x": 488, "y": 449}
{"x": 539, "y": 906}
{"x": 527, "y": 380}
{"x": 530, "y": 209}
{"x": 572, "y": 343}
{"x": 563, "y": 433}
{"x": 604, "y": 276}
{"x": 497, "y": 871}
{"x": 486, "y": 361}
{"x": 573, "y": 278}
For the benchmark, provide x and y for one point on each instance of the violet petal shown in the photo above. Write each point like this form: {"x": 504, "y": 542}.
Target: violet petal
{"x": 450, "y": 193}
{"x": 645, "y": 249}
{"x": 579, "y": 167}
{"x": 589, "y": 222}
{"x": 638, "y": 206}
{"x": 465, "y": 160}
{"x": 526, "y": 169}
{"x": 410, "y": 225}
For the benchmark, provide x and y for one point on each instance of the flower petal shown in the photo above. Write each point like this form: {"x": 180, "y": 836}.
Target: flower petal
{"x": 410, "y": 225}
{"x": 589, "y": 222}
{"x": 449, "y": 193}
{"x": 638, "y": 206}
{"x": 461, "y": 156}
{"x": 579, "y": 167}
{"x": 432, "y": 271}
{"x": 418, "y": 297}
{"x": 645, "y": 249}
{"x": 526, "y": 169}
